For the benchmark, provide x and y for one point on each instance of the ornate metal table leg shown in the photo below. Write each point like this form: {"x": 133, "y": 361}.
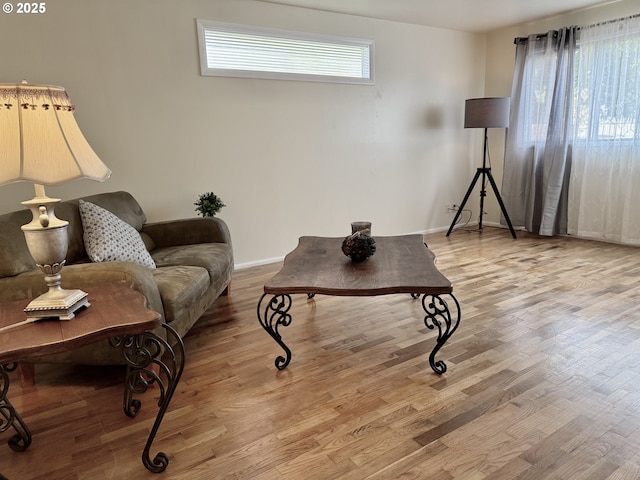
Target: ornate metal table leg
{"x": 151, "y": 359}
{"x": 9, "y": 416}
{"x": 275, "y": 314}
{"x": 438, "y": 315}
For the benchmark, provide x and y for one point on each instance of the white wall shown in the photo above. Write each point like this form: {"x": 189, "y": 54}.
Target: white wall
{"x": 288, "y": 158}
{"x": 501, "y": 58}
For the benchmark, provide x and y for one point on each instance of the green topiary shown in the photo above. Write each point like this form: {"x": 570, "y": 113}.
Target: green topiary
{"x": 209, "y": 204}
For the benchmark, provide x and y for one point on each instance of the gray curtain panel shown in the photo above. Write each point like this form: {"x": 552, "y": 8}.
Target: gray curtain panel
{"x": 538, "y": 147}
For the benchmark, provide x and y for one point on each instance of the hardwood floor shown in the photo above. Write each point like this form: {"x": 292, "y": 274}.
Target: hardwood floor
{"x": 543, "y": 382}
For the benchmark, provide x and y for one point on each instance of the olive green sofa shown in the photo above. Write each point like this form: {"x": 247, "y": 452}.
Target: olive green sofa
{"x": 193, "y": 259}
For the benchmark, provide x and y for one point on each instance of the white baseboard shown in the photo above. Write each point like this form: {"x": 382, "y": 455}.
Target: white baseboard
{"x": 257, "y": 263}
{"x": 267, "y": 261}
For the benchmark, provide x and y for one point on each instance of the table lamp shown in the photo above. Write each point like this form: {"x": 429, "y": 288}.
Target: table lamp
{"x": 42, "y": 143}
{"x": 485, "y": 113}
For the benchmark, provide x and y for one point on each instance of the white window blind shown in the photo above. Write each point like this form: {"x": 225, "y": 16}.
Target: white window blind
{"x": 243, "y": 51}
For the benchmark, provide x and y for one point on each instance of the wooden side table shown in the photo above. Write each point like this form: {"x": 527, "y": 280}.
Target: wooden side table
{"x": 117, "y": 314}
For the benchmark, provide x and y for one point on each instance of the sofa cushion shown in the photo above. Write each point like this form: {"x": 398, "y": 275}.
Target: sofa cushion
{"x": 109, "y": 239}
{"x": 179, "y": 288}
{"x": 216, "y": 258}
{"x": 14, "y": 254}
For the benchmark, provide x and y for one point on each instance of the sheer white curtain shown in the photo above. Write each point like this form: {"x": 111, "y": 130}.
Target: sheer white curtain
{"x": 538, "y": 147}
{"x": 604, "y": 193}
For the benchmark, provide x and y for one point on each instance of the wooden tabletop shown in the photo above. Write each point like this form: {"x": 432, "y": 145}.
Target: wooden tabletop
{"x": 115, "y": 310}
{"x": 401, "y": 264}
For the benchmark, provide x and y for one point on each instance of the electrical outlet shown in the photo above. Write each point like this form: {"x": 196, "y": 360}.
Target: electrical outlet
{"x": 450, "y": 207}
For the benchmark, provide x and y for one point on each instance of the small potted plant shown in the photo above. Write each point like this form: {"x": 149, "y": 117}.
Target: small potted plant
{"x": 209, "y": 204}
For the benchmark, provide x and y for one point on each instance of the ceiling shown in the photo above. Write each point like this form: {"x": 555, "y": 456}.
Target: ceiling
{"x": 466, "y": 15}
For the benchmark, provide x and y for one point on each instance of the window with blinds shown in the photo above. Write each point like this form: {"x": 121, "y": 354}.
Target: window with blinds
{"x": 232, "y": 50}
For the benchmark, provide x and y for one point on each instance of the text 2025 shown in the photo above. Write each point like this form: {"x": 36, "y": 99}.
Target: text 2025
{"x": 33, "y": 7}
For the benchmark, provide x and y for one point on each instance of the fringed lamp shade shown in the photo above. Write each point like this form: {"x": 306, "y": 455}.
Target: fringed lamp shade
{"x": 41, "y": 141}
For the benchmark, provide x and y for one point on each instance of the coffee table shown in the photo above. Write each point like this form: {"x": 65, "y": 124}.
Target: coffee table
{"x": 401, "y": 264}
{"x": 117, "y": 314}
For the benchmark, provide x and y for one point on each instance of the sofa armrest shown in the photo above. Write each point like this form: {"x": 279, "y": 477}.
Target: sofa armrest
{"x": 81, "y": 275}
{"x": 188, "y": 231}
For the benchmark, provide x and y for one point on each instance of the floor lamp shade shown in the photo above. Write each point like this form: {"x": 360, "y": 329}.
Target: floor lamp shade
{"x": 486, "y": 112}
{"x": 42, "y": 143}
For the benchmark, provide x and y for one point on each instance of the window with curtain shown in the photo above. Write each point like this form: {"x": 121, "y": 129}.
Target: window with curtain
{"x": 607, "y": 82}
{"x": 572, "y": 162}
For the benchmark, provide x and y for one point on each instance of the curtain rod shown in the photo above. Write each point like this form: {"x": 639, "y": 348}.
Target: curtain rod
{"x": 614, "y": 20}
{"x": 555, "y": 32}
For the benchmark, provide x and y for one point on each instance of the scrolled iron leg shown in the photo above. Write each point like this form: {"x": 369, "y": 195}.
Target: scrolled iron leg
{"x": 439, "y": 316}
{"x": 151, "y": 360}
{"x": 9, "y": 417}
{"x": 272, "y": 315}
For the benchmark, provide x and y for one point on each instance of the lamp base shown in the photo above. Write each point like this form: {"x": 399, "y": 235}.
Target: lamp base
{"x": 46, "y": 237}
{"x": 57, "y": 303}
{"x": 485, "y": 172}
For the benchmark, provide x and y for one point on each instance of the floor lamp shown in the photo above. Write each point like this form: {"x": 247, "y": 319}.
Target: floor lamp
{"x": 485, "y": 113}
